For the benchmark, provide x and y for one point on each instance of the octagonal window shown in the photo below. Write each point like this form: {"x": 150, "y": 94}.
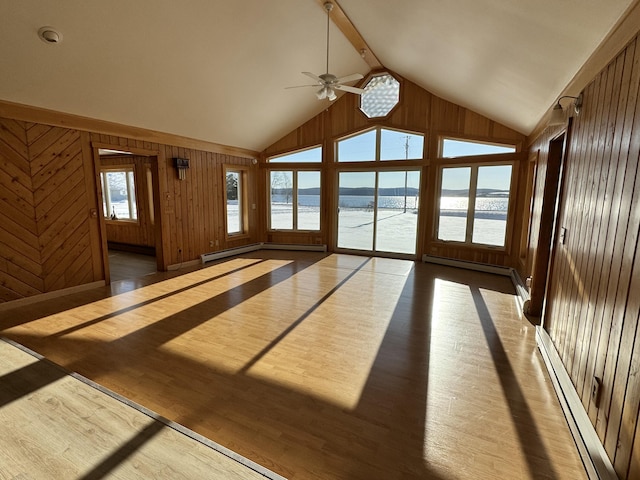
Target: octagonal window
{"x": 381, "y": 94}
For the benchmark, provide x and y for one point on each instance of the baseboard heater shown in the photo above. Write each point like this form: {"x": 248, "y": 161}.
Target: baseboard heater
{"x": 594, "y": 456}
{"x": 481, "y": 267}
{"x": 521, "y": 290}
{"x": 230, "y": 252}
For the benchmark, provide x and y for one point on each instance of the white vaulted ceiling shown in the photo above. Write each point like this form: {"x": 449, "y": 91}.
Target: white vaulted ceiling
{"x": 216, "y": 70}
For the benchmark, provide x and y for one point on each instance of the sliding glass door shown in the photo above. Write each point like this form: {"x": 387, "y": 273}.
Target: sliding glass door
{"x": 378, "y": 210}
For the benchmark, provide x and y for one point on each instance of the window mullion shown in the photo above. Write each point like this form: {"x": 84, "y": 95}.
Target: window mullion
{"x": 294, "y": 198}
{"x": 106, "y": 192}
{"x": 129, "y": 196}
{"x": 375, "y": 211}
{"x": 471, "y": 207}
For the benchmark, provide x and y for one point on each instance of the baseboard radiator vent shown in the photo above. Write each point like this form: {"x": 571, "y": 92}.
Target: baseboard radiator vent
{"x": 480, "y": 267}
{"x": 230, "y": 252}
{"x": 521, "y": 290}
{"x": 292, "y": 246}
{"x": 594, "y": 456}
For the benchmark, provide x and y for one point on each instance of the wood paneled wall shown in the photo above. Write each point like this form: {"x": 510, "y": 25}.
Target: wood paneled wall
{"x": 142, "y": 232}
{"x": 419, "y": 111}
{"x": 191, "y": 212}
{"x": 48, "y": 233}
{"x": 593, "y": 305}
{"x": 51, "y": 213}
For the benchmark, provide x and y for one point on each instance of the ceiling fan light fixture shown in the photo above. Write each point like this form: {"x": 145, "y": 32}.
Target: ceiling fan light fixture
{"x": 327, "y": 81}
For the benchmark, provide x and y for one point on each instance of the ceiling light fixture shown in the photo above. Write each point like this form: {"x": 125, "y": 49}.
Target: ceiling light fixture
{"x": 49, "y": 35}
{"x": 557, "y": 114}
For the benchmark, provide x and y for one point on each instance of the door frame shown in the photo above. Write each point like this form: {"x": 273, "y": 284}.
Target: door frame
{"x": 545, "y": 254}
{"x": 156, "y": 160}
{"x": 377, "y": 170}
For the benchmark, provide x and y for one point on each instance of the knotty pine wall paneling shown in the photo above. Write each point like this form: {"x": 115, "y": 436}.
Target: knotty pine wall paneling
{"x": 419, "y": 111}
{"x": 593, "y": 306}
{"x": 47, "y": 230}
{"x": 191, "y": 210}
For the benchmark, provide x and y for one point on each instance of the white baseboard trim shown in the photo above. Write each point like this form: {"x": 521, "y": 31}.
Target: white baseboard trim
{"x": 594, "y": 457}
{"x": 49, "y": 295}
{"x": 230, "y": 252}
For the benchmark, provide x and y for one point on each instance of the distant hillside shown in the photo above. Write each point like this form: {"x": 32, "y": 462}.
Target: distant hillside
{"x": 395, "y": 192}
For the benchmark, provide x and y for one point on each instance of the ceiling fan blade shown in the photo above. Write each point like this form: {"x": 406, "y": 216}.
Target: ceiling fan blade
{"x": 350, "y": 78}
{"x": 300, "y": 86}
{"x": 349, "y": 89}
{"x": 314, "y": 76}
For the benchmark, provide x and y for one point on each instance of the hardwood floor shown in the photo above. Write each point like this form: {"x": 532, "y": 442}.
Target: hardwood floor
{"x": 322, "y": 366}
{"x": 100, "y": 435}
{"x": 125, "y": 265}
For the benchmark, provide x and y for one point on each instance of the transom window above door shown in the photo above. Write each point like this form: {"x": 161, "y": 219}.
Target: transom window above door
{"x": 380, "y": 144}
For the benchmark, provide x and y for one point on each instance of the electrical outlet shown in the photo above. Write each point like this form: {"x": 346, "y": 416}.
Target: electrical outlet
{"x": 211, "y": 243}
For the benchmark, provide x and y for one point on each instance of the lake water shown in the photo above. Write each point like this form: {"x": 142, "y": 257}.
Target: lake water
{"x": 495, "y": 207}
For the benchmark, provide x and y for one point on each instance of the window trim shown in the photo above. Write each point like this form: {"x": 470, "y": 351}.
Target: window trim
{"x": 243, "y": 210}
{"x": 106, "y": 193}
{"x": 473, "y": 185}
{"x": 294, "y": 199}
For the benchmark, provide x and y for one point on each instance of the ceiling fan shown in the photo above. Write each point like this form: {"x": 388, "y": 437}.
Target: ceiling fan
{"x": 328, "y": 82}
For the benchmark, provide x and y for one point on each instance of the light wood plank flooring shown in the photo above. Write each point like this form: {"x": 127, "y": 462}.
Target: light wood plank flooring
{"x": 100, "y": 435}
{"x": 322, "y": 366}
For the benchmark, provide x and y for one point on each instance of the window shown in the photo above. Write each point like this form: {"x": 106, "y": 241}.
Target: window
{"x": 399, "y": 145}
{"x": 309, "y": 155}
{"x": 119, "y": 193}
{"x": 380, "y": 144}
{"x": 381, "y": 94}
{"x": 474, "y": 202}
{"x": 452, "y": 147}
{"x": 358, "y": 148}
{"x": 294, "y": 200}
{"x": 235, "y": 201}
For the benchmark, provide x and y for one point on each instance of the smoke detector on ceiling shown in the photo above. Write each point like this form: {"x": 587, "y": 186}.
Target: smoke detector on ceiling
{"x": 49, "y": 35}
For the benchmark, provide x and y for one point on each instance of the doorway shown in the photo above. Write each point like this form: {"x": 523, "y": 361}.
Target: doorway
{"x": 544, "y": 252}
{"x": 378, "y": 211}
{"x": 128, "y": 186}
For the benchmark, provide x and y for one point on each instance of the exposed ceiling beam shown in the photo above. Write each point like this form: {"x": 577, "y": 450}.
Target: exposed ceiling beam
{"x": 341, "y": 20}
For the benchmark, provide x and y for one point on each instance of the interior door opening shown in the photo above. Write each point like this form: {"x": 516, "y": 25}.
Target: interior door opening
{"x": 127, "y": 183}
